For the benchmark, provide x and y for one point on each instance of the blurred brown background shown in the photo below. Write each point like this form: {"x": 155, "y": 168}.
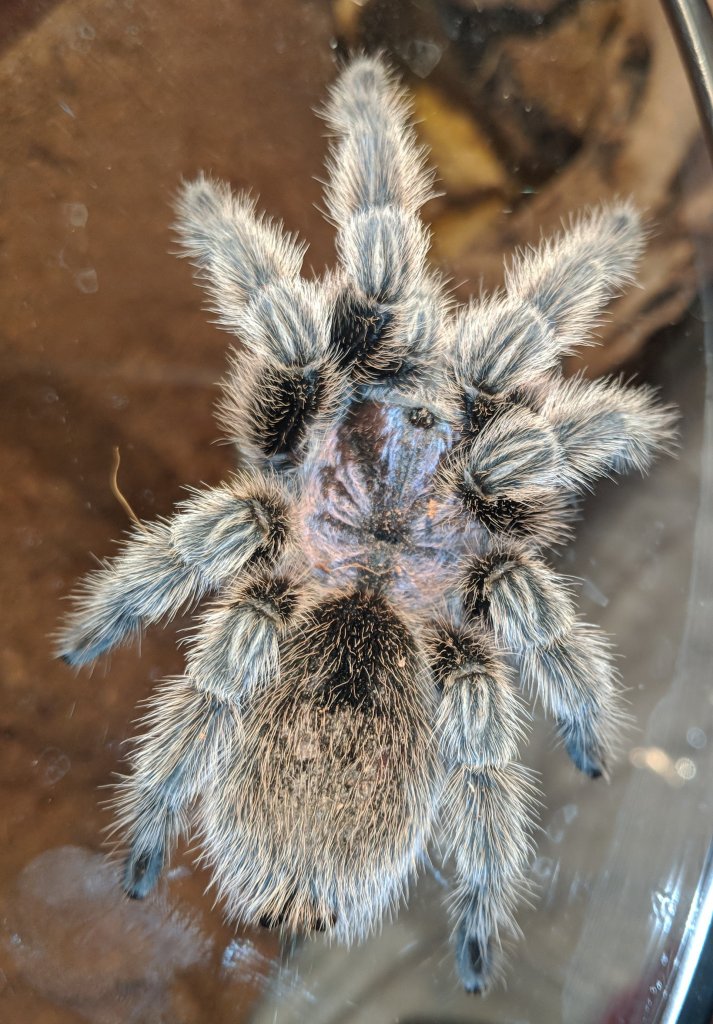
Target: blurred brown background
{"x": 532, "y": 109}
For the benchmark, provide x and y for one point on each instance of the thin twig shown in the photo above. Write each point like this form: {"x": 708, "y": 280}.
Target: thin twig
{"x": 114, "y": 484}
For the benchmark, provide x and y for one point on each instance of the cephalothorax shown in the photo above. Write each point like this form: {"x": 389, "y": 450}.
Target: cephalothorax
{"x": 375, "y": 566}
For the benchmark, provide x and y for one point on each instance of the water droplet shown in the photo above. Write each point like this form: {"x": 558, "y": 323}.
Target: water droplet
{"x": 664, "y": 906}
{"x": 77, "y": 214}
{"x": 544, "y": 868}
{"x": 559, "y": 821}
{"x": 87, "y": 281}
{"x": 53, "y": 765}
{"x": 178, "y": 872}
{"x": 422, "y": 55}
{"x": 570, "y": 812}
{"x": 696, "y": 738}
{"x": 31, "y": 538}
{"x": 592, "y": 591}
{"x": 685, "y": 768}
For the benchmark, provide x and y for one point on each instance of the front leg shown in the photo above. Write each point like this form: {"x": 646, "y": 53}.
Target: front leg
{"x": 488, "y": 803}
{"x": 387, "y": 322}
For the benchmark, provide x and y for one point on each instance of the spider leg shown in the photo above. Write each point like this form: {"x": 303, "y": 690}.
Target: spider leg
{"x": 502, "y": 345}
{"x": 570, "y": 277}
{"x": 189, "y": 730}
{"x": 489, "y": 799}
{"x": 288, "y": 380}
{"x": 251, "y": 268}
{"x": 520, "y": 459}
{"x": 603, "y": 427}
{"x": 564, "y": 661}
{"x": 195, "y": 722}
{"x": 387, "y": 317}
{"x": 507, "y": 478}
{"x": 169, "y": 564}
{"x": 273, "y": 411}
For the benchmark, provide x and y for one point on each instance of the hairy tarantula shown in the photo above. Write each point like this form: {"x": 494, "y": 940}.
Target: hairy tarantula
{"x": 376, "y": 563}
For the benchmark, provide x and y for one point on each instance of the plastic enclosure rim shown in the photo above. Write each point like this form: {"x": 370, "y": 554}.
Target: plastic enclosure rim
{"x": 691, "y": 998}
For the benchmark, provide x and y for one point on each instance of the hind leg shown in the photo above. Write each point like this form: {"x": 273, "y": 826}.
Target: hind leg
{"x": 195, "y": 722}
{"x": 171, "y": 764}
{"x": 488, "y": 801}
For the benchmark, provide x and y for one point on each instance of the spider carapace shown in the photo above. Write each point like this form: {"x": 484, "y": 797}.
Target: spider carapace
{"x": 372, "y": 580}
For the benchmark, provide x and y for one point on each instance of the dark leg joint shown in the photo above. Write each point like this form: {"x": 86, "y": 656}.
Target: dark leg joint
{"x": 585, "y": 753}
{"x": 142, "y": 871}
{"x": 474, "y": 962}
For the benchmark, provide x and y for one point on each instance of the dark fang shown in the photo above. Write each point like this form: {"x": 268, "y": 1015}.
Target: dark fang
{"x": 422, "y": 418}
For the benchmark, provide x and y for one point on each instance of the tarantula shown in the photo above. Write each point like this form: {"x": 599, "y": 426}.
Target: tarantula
{"x": 376, "y": 563}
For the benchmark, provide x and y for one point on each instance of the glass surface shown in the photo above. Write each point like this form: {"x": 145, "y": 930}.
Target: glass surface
{"x": 105, "y": 107}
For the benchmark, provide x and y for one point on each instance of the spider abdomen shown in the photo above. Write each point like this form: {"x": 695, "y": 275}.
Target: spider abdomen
{"x": 315, "y": 824}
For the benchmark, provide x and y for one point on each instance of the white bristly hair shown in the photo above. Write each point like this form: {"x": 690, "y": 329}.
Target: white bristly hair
{"x": 376, "y": 577}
